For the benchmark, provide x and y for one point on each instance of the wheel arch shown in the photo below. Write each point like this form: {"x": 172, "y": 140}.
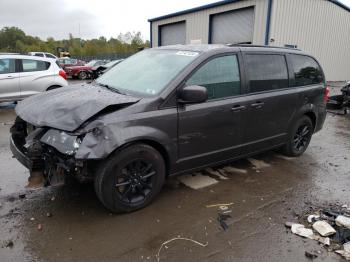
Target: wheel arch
{"x": 156, "y": 145}
{"x": 312, "y": 116}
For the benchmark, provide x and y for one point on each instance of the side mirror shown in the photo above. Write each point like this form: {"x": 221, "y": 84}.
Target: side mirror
{"x": 192, "y": 94}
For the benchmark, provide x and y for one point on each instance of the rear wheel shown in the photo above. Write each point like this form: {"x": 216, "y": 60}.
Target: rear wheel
{"x": 300, "y": 137}
{"x": 130, "y": 179}
{"x": 83, "y": 75}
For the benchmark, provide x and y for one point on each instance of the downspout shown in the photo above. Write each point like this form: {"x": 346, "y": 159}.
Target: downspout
{"x": 150, "y": 37}
{"x": 268, "y": 22}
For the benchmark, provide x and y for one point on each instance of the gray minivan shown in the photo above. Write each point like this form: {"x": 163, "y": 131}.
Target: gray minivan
{"x": 170, "y": 110}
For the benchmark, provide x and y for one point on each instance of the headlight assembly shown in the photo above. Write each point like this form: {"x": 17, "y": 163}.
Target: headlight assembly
{"x": 65, "y": 143}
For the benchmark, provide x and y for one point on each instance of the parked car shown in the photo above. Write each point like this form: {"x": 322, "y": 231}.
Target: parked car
{"x": 97, "y": 71}
{"x": 83, "y": 71}
{"x": 43, "y": 54}
{"x": 341, "y": 101}
{"x": 22, "y": 76}
{"x": 172, "y": 110}
{"x": 67, "y": 61}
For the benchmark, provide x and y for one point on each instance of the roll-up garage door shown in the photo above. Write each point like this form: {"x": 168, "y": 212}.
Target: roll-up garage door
{"x": 173, "y": 34}
{"x": 233, "y": 27}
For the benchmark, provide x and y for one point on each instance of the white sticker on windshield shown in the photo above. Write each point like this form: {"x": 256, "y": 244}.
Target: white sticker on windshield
{"x": 187, "y": 53}
{"x": 150, "y": 91}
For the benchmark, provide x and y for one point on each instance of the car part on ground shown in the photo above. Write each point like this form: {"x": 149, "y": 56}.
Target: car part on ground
{"x": 159, "y": 113}
{"x": 340, "y": 101}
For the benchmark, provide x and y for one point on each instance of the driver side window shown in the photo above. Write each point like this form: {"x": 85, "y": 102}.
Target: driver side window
{"x": 220, "y": 76}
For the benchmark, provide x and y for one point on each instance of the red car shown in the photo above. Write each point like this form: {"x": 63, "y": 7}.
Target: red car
{"x": 84, "y": 71}
{"x": 67, "y": 61}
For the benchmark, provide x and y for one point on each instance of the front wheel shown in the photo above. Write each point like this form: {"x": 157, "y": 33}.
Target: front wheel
{"x": 130, "y": 179}
{"x": 299, "y": 138}
{"x": 83, "y": 75}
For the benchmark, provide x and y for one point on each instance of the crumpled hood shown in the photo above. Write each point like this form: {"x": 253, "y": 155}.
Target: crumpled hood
{"x": 69, "y": 107}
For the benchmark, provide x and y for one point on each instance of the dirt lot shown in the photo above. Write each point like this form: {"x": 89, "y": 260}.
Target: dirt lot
{"x": 75, "y": 226}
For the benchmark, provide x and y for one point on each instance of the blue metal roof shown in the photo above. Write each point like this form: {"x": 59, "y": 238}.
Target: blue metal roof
{"x": 224, "y": 2}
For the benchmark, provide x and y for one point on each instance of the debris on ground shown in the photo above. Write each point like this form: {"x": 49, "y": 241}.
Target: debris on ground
{"x": 230, "y": 169}
{"x": 178, "y": 238}
{"x": 22, "y": 196}
{"x": 222, "y": 218}
{"x": 310, "y": 255}
{"x": 40, "y": 227}
{"x": 323, "y": 228}
{"x": 197, "y": 180}
{"x": 8, "y": 244}
{"x": 48, "y": 214}
{"x": 258, "y": 164}
{"x": 218, "y": 205}
{"x": 343, "y": 221}
{"x": 215, "y": 173}
{"x": 330, "y": 227}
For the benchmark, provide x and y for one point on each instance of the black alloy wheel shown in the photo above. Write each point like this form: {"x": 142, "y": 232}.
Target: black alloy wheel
{"x": 130, "y": 178}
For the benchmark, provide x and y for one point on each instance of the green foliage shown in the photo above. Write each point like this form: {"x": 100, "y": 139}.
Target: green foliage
{"x": 13, "y": 39}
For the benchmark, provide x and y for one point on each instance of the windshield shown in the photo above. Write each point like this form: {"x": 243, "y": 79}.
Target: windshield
{"x": 111, "y": 63}
{"x": 147, "y": 72}
{"x": 91, "y": 63}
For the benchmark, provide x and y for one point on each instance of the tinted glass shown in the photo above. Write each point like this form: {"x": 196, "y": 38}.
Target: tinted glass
{"x": 7, "y": 66}
{"x": 49, "y": 56}
{"x": 39, "y": 54}
{"x": 147, "y": 72}
{"x": 34, "y": 65}
{"x": 306, "y": 71}
{"x": 220, "y": 76}
{"x": 266, "y": 72}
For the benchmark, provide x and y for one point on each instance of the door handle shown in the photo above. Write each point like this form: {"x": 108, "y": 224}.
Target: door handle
{"x": 10, "y": 77}
{"x": 257, "y": 105}
{"x": 238, "y": 108}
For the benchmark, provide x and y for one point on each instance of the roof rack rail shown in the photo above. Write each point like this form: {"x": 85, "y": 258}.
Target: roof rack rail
{"x": 265, "y": 46}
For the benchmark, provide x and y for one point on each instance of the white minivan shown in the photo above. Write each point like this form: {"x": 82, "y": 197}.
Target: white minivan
{"x": 22, "y": 76}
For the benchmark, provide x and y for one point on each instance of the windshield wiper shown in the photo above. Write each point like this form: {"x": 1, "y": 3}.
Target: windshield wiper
{"x": 110, "y": 88}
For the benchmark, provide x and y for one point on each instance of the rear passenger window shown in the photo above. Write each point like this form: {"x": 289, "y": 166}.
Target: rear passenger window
{"x": 39, "y": 54}
{"x": 306, "y": 71}
{"x": 34, "y": 65}
{"x": 7, "y": 66}
{"x": 266, "y": 72}
{"x": 220, "y": 76}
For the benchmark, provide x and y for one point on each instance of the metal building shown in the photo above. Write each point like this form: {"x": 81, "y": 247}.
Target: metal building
{"x": 320, "y": 27}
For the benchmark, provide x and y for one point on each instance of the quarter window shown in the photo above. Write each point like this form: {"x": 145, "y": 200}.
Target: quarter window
{"x": 266, "y": 72}
{"x": 34, "y": 65}
{"x": 220, "y": 76}
{"x": 49, "y": 56}
{"x": 7, "y": 66}
{"x": 306, "y": 71}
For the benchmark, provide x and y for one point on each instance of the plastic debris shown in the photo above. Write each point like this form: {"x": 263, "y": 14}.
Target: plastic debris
{"x": 223, "y": 208}
{"x": 300, "y": 230}
{"x": 258, "y": 164}
{"x": 313, "y": 218}
{"x": 197, "y": 180}
{"x": 323, "y": 228}
{"x": 343, "y": 221}
{"x": 40, "y": 227}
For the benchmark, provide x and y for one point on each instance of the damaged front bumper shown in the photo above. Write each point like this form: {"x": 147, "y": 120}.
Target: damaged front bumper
{"x": 49, "y": 152}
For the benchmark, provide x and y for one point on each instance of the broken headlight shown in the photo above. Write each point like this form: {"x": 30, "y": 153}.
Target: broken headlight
{"x": 65, "y": 143}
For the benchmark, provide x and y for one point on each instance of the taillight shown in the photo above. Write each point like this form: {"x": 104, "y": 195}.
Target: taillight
{"x": 63, "y": 74}
{"x": 326, "y": 95}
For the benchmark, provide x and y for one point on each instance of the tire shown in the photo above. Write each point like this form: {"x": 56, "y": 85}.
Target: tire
{"x": 83, "y": 75}
{"x": 299, "y": 138}
{"x": 139, "y": 170}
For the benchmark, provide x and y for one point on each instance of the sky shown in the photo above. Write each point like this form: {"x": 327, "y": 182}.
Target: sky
{"x": 89, "y": 18}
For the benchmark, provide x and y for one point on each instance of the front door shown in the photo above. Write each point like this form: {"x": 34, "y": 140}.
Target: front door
{"x": 212, "y": 131}
{"x": 271, "y": 104}
{"x": 9, "y": 80}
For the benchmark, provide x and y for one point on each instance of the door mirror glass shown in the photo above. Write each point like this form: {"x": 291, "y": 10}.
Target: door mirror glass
{"x": 193, "y": 94}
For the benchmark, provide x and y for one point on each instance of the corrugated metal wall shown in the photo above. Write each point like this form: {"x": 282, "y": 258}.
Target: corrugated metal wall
{"x": 197, "y": 23}
{"x": 318, "y": 27}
